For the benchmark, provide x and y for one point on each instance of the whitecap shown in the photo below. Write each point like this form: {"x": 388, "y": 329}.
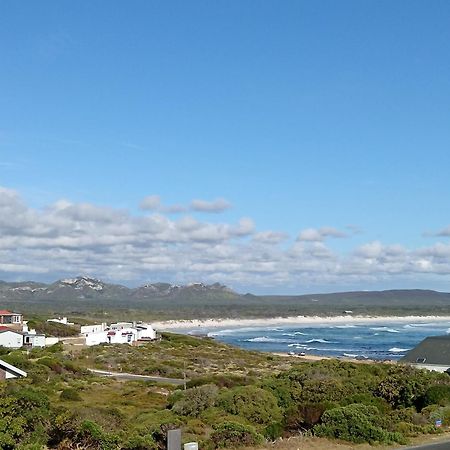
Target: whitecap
{"x": 398, "y": 350}
{"x": 320, "y": 341}
{"x": 385, "y": 329}
{"x": 266, "y": 339}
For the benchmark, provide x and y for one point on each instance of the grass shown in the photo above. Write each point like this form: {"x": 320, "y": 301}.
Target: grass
{"x": 175, "y": 354}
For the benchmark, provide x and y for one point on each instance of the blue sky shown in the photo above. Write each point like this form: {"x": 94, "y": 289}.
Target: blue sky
{"x": 324, "y": 116}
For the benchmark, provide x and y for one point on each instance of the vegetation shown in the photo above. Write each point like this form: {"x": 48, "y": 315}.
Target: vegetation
{"x": 233, "y": 398}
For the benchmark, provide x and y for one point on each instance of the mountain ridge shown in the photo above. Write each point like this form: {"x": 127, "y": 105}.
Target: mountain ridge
{"x": 83, "y": 294}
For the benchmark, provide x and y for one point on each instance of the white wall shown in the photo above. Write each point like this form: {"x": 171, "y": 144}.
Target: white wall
{"x": 11, "y": 340}
{"x": 120, "y": 325}
{"x": 121, "y": 336}
{"x": 92, "y": 328}
{"x": 146, "y": 332}
{"x": 51, "y": 340}
{"x": 96, "y": 338}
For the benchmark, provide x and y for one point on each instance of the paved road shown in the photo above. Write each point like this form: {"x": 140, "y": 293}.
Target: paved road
{"x": 444, "y": 445}
{"x": 132, "y": 376}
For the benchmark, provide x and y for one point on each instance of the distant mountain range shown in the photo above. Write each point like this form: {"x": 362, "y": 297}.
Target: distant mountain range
{"x": 82, "y": 288}
{"x": 163, "y": 300}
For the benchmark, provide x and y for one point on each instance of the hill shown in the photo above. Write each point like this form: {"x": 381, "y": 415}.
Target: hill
{"x": 84, "y": 295}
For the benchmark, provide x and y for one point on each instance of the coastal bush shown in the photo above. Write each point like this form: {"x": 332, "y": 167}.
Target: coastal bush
{"x": 280, "y": 389}
{"x": 24, "y": 418}
{"x": 232, "y": 434}
{"x": 228, "y": 380}
{"x": 403, "y": 386}
{"x": 355, "y": 423}
{"x": 306, "y": 415}
{"x": 255, "y": 404}
{"x": 195, "y": 400}
{"x": 91, "y": 436}
{"x": 435, "y": 395}
{"x": 70, "y": 394}
{"x": 139, "y": 442}
{"x": 368, "y": 400}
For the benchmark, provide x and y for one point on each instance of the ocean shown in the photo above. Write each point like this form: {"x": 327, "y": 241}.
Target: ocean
{"x": 381, "y": 340}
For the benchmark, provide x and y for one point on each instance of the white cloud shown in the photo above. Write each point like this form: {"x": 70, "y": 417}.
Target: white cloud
{"x": 151, "y": 202}
{"x": 444, "y": 232}
{"x": 216, "y": 206}
{"x": 72, "y": 238}
{"x": 320, "y": 234}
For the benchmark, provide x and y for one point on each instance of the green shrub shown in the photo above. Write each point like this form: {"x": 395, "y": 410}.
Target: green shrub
{"x": 281, "y": 390}
{"x": 92, "y": 436}
{"x": 139, "y": 442}
{"x": 369, "y": 400}
{"x": 403, "y": 386}
{"x": 52, "y": 363}
{"x": 232, "y": 434}
{"x": 220, "y": 381}
{"x": 70, "y": 394}
{"x": 195, "y": 400}
{"x": 355, "y": 423}
{"x": 253, "y": 403}
{"x": 435, "y": 395}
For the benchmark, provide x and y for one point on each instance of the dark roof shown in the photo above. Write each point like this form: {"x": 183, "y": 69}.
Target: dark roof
{"x": 11, "y": 369}
{"x": 432, "y": 350}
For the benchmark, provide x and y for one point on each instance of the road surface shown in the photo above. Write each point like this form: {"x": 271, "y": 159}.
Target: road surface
{"x": 132, "y": 376}
{"x": 443, "y": 445}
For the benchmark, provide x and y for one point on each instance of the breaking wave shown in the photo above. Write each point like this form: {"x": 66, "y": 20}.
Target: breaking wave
{"x": 320, "y": 341}
{"x": 266, "y": 339}
{"x": 385, "y": 329}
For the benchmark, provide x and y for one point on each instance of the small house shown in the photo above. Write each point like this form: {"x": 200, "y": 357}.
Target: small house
{"x": 10, "y": 338}
{"x": 9, "y": 318}
{"x": 32, "y": 339}
{"x": 8, "y": 371}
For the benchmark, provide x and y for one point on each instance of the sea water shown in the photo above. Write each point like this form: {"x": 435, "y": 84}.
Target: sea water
{"x": 383, "y": 340}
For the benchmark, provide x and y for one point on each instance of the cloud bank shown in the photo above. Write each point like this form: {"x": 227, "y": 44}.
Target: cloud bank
{"x": 68, "y": 238}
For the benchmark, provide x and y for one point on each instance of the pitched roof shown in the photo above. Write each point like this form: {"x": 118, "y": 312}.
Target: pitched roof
{"x": 432, "y": 350}
{"x": 5, "y": 312}
{"x": 6, "y": 329}
{"x": 12, "y": 369}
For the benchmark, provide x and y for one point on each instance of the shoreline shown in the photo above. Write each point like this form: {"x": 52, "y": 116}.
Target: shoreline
{"x": 294, "y": 320}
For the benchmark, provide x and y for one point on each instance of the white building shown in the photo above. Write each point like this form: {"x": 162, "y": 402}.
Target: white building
{"x": 120, "y": 333}
{"x": 121, "y": 325}
{"x": 32, "y": 339}
{"x": 87, "y": 329}
{"x": 10, "y": 318}
{"x": 62, "y": 320}
{"x": 10, "y": 338}
{"x": 145, "y": 332}
{"x": 8, "y": 371}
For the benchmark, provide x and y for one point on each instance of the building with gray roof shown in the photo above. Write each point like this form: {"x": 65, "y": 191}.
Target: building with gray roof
{"x": 433, "y": 353}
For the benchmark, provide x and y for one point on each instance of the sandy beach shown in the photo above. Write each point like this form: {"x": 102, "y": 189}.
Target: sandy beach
{"x": 297, "y": 320}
